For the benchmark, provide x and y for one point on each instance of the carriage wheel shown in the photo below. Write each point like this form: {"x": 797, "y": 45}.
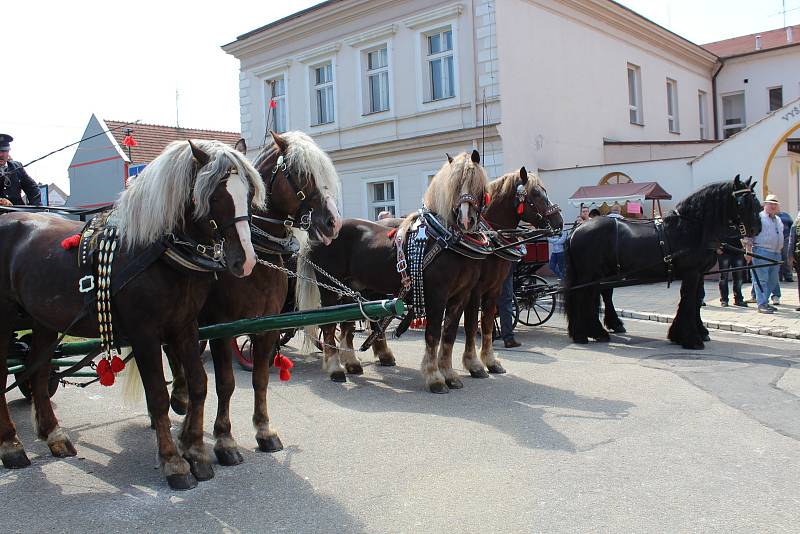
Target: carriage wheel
{"x": 287, "y": 335}
{"x": 243, "y": 352}
{"x": 514, "y": 313}
{"x": 535, "y": 306}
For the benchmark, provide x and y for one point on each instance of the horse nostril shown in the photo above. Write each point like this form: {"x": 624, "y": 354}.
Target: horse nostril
{"x": 331, "y": 222}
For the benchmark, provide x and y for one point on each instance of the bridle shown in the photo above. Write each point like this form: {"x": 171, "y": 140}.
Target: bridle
{"x": 302, "y": 217}
{"x": 740, "y": 195}
{"x": 478, "y": 203}
{"x": 523, "y": 199}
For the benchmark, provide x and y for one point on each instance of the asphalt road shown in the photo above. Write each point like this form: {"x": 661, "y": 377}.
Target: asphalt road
{"x": 635, "y": 435}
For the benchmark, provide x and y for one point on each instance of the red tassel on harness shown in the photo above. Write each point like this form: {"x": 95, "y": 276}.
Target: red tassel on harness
{"x": 104, "y": 372}
{"x": 284, "y": 364}
{"x": 520, "y": 208}
{"x": 486, "y": 199}
{"x": 117, "y": 365}
{"x": 71, "y": 242}
{"x": 391, "y": 233}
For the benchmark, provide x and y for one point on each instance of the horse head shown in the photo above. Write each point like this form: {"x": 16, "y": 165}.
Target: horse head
{"x": 200, "y": 190}
{"x": 746, "y": 207}
{"x": 302, "y": 185}
{"x": 457, "y": 192}
{"x": 533, "y": 205}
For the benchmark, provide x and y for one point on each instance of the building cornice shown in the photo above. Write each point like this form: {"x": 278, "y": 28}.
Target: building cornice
{"x": 435, "y": 15}
{"x": 273, "y": 67}
{"x": 319, "y": 52}
{"x": 376, "y": 34}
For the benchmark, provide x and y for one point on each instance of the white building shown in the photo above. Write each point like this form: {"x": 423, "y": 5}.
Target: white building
{"x": 387, "y": 87}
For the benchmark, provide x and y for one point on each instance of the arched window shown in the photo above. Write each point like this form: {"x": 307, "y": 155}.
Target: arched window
{"x": 615, "y": 178}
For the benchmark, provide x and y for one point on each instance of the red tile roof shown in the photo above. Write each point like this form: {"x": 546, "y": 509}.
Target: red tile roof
{"x": 747, "y": 43}
{"x": 152, "y": 139}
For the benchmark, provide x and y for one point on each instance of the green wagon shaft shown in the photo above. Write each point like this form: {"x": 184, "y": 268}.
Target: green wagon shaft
{"x": 373, "y": 310}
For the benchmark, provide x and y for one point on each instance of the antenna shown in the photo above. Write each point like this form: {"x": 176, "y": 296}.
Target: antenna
{"x": 177, "y": 109}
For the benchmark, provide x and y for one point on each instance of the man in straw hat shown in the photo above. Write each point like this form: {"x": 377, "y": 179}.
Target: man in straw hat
{"x": 769, "y": 244}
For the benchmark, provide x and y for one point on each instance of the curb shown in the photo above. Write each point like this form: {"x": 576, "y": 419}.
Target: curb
{"x": 779, "y": 332}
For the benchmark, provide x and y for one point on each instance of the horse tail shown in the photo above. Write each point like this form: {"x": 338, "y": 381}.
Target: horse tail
{"x": 307, "y": 295}
{"x": 568, "y": 300}
{"x": 132, "y": 387}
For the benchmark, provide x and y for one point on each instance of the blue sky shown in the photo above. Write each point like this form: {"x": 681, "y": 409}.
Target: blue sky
{"x": 126, "y": 61}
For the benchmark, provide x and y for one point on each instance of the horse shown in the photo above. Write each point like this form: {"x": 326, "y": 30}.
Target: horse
{"x": 303, "y": 189}
{"x": 604, "y": 251}
{"x": 514, "y": 197}
{"x": 365, "y": 258}
{"x": 195, "y": 196}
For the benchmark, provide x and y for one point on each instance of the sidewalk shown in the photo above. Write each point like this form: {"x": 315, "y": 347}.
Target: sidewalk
{"x": 656, "y": 302}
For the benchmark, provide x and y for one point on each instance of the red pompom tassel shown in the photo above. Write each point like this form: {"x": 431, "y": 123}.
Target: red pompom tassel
{"x": 284, "y": 364}
{"x": 520, "y": 208}
{"x": 391, "y": 233}
{"x": 107, "y": 379}
{"x": 71, "y": 242}
{"x": 486, "y": 199}
{"x": 117, "y": 365}
{"x": 103, "y": 367}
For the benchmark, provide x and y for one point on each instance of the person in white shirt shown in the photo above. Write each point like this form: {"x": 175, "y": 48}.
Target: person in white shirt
{"x": 769, "y": 243}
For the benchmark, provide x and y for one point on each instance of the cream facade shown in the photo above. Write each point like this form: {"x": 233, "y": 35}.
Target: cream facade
{"x": 388, "y": 87}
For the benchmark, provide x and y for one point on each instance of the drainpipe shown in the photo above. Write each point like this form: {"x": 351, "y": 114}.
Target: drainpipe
{"x": 714, "y": 96}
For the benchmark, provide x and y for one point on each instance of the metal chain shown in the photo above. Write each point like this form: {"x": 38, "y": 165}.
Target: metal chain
{"x": 343, "y": 292}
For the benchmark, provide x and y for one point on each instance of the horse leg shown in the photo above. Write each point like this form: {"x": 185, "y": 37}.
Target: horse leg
{"x": 175, "y": 468}
{"x": 225, "y": 448}
{"x": 190, "y": 440}
{"x": 576, "y": 304}
{"x": 596, "y": 329}
{"x": 179, "y": 398}
{"x": 701, "y": 328}
{"x": 684, "y": 326}
{"x": 382, "y": 351}
{"x": 610, "y": 317}
{"x": 12, "y": 453}
{"x": 433, "y": 332}
{"x": 487, "y": 328}
{"x": 470, "y": 359}
{"x": 44, "y": 419}
{"x": 263, "y": 350}
{"x": 449, "y": 331}
{"x": 351, "y": 362}
{"x": 330, "y": 354}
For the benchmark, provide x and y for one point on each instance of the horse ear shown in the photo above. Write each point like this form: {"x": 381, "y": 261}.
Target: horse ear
{"x": 280, "y": 142}
{"x": 241, "y": 146}
{"x": 753, "y": 186}
{"x": 476, "y": 158}
{"x": 523, "y": 175}
{"x": 737, "y": 179}
{"x": 449, "y": 157}
{"x": 201, "y": 157}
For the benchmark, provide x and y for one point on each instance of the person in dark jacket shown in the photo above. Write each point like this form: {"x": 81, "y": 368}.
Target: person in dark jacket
{"x": 14, "y": 180}
{"x": 731, "y": 259}
{"x": 786, "y": 270}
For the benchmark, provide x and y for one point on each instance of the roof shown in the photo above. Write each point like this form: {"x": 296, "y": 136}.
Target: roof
{"x": 293, "y": 16}
{"x": 746, "y": 44}
{"x": 597, "y": 194}
{"x": 152, "y": 139}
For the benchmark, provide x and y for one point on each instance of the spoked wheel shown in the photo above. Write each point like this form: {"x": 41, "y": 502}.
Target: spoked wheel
{"x": 287, "y": 335}
{"x": 534, "y": 304}
{"x": 514, "y": 314}
{"x": 22, "y": 346}
{"x": 243, "y": 352}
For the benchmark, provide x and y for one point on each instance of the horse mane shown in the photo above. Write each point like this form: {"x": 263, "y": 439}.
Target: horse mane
{"x": 155, "y": 201}
{"x": 710, "y": 207}
{"x": 506, "y": 185}
{"x": 446, "y": 187}
{"x": 305, "y": 158}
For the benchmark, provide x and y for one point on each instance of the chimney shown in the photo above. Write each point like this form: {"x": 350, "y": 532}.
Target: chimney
{"x": 789, "y": 34}
{"x": 758, "y": 42}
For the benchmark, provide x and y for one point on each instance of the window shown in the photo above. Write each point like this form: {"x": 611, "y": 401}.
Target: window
{"x": 672, "y": 106}
{"x": 635, "y": 94}
{"x": 775, "y": 98}
{"x": 440, "y": 68}
{"x": 732, "y": 114}
{"x": 322, "y": 105}
{"x": 276, "y": 113}
{"x": 702, "y": 111}
{"x": 380, "y": 196}
{"x": 377, "y": 63}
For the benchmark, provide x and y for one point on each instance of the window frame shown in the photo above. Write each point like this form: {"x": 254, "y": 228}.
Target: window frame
{"x": 313, "y": 118}
{"x": 743, "y": 124}
{"x": 424, "y": 100}
{"x": 702, "y": 113}
{"x": 369, "y": 204}
{"x": 673, "y": 115}
{"x": 636, "y": 107}
{"x": 769, "y": 98}
{"x": 281, "y": 101}
{"x": 366, "y": 74}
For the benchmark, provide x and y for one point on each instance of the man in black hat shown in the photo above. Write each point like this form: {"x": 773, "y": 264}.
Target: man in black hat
{"x": 14, "y": 180}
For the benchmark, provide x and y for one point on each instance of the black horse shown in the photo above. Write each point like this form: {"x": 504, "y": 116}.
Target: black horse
{"x": 681, "y": 247}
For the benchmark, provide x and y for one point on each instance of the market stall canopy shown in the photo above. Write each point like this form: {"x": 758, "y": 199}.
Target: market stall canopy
{"x": 610, "y": 193}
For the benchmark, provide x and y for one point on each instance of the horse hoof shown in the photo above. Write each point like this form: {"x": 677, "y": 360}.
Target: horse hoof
{"x": 454, "y": 383}
{"x": 439, "y": 387}
{"x": 706, "y": 338}
{"x": 62, "y": 449}
{"x": 182, "y": 482}
{"x": 496, "y": 369}
{"x": 228, "y": 457}
{"x": 693, "y": 346}
{"x": 581, "y": 340}
{"x": 270, "y": 444}
{"x": 603, "y": 338}
{"x": 354, "y": 369}
{"x": 338, "y": 376}
{"x": 16, "y": 459}
{"x": 179, "y": 406}
{"x": 618, "y": 329}
{"x": 202, "y": 471}
{"x": 480, "y": 373}
{"x": 387, "y": 362}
